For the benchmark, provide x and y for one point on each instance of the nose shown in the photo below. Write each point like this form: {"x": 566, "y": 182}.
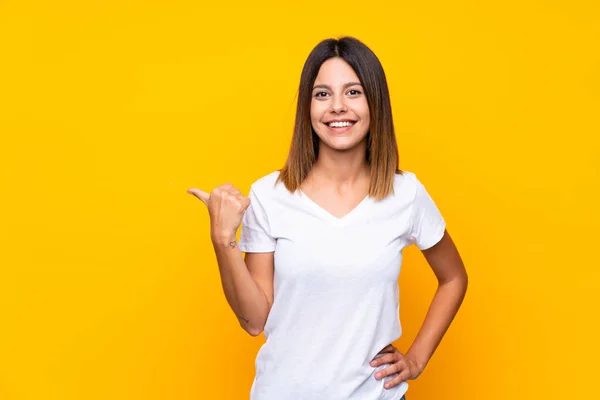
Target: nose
{"x": 338, "y": 104}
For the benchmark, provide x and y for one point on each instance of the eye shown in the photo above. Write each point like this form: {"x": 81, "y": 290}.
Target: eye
{"x": 354, "y": 92}
{"x": 320, "y": 94}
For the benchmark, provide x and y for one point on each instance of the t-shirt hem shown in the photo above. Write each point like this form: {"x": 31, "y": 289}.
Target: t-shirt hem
{"x": 435, "y": 239}
{"x": 247, "y": 248}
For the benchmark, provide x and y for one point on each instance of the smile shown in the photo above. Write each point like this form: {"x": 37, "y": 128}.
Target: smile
{"x": 339, "y": 124}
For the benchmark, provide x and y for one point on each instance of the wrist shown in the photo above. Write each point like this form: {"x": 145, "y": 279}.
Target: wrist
{"x": 223, "y": 239}
{"x": 418, "y": 359}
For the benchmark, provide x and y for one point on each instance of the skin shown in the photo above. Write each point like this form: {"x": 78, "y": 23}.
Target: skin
{"x": 338, "y": 95}
{"x": 338, "y": 181}
{"x": 247, "y": 284}
{"x": 445, "y": 261}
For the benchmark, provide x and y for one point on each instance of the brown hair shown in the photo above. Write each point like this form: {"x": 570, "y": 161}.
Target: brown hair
{"x": 382, "y": 150}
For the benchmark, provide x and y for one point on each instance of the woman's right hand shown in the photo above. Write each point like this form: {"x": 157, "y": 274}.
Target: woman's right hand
{"x": 226, "y": 207}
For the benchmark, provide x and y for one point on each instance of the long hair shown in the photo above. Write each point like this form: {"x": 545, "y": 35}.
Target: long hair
{"x": 382, "y": 150}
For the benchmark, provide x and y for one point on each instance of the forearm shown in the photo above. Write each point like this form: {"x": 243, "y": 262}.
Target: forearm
{"x": 443, "y": 309}
{"x": 244, "y": 296}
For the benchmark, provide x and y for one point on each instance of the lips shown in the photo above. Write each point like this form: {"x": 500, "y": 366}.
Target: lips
{"x": 342, "y": 123}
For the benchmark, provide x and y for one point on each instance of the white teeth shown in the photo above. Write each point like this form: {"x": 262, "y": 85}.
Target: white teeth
{"x": 340, "y": 124}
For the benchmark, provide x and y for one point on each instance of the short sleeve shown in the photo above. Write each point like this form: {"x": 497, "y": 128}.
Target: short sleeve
{"x": 427, "y": 223}
{"x": 255, "y": 236}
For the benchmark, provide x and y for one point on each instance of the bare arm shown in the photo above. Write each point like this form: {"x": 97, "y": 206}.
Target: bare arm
{"x": 248, "y": 284}
{"x": 452, "y": 286}
{"x": 445, "y": 261}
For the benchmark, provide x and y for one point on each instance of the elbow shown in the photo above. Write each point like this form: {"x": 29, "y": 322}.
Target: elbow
{"x": 463, "y": 277}
{"x": 464, "y": 284}
{"x": 459, "y": 281}
{"x": 463, "y": 281}
{"x": 252, "y": 329}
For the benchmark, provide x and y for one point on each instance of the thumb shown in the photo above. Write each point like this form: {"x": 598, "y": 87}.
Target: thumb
{"x": 203, "y": 196}
{"x": 388, "y": 349}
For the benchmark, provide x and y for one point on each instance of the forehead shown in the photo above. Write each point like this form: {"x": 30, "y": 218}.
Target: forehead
{"x": 336, "y": 71}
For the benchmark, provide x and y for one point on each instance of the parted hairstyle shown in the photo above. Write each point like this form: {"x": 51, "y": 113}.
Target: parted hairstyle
{"x": 382, "y": 150}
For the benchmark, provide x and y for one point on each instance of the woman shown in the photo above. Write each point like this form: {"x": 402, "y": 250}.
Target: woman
{"x": 323, "y": 240}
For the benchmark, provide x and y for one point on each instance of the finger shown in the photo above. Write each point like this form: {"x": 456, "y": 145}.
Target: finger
{"x": 386, "y": 358}
{"x": 401, "y": 377}
{"x": 234, "y": 191}
{"x": 245, "y": 204}
{"x": 243, "y": 201}
{"x": 388, "y": 349}
{"x": 225, "y": 186}
{"x": 392, "y": 369}
{"x": 203, "y": 196}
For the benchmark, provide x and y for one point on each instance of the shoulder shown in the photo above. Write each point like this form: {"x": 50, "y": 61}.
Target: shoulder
{"x": 267, "y": 186}
{"x": 406, "y": 184}
{"x": 269, "y": 194}
{"x": 266, "y": 182}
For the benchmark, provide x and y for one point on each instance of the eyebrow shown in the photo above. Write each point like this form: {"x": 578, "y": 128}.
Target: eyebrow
{"x": 329, "y": 87}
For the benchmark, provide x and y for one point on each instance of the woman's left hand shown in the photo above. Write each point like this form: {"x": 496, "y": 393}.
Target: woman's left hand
{"x": 404, "y": 365}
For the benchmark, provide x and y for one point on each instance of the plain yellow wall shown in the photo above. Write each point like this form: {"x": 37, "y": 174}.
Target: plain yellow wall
{"x": 110, "y": 110}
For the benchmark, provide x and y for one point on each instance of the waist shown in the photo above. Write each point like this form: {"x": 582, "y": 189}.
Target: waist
{"x": 303, "y": 381}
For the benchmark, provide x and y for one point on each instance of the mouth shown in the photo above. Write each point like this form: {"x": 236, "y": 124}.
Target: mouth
{"x": 340, "y": 124}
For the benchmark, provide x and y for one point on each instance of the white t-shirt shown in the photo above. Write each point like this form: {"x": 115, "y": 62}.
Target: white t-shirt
{"x": 336, "y": 296}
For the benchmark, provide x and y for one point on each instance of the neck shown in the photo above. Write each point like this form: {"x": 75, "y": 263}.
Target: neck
{"x": 341, "y": 167}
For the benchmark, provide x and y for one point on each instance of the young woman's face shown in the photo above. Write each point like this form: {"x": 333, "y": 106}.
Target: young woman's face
{"x": 339, "y": 111}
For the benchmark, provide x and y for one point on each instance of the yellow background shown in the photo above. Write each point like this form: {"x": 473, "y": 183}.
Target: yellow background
{"x": 110, "y": 110}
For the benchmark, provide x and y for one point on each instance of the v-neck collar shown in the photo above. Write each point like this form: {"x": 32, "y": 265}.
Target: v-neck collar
{"x": 329, "y": 216}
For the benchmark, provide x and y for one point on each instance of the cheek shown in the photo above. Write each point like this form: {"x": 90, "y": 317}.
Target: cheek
{"x": 365, "y": 114}
{"x": 313, "y": 114}
{"x": 366, "y": 118}
{"x": 316, "y": 111}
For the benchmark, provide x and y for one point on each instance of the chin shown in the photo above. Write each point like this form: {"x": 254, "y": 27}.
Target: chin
{"x": 342, "y": 145}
